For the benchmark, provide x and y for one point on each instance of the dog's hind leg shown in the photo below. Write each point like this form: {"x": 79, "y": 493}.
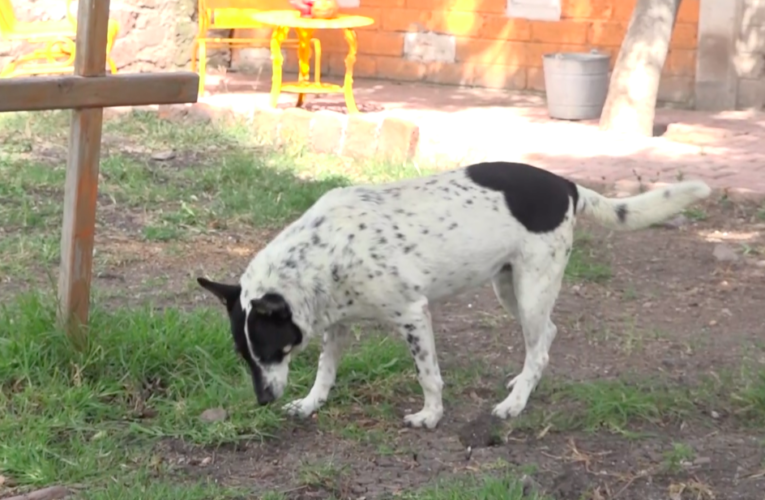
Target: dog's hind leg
{"x": 332, "y": 349}
{"x": 415, "y": 325}
{"x": 535, "y": 284}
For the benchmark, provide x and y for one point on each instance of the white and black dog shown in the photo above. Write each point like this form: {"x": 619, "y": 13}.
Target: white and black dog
{"x": 385, "y": 252}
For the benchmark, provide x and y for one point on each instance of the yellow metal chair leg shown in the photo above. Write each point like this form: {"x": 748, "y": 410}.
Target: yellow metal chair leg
{"x": 277, "y": 37}
{"x": 317, "y": 60}
{"x": 8, "y": 70}
{"x": 350, "y": 60}
{"x": 304, "y": 59}
{"x": 202, "y": 66}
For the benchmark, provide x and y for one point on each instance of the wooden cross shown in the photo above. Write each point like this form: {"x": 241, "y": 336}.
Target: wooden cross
{"x": 86, "y": 94}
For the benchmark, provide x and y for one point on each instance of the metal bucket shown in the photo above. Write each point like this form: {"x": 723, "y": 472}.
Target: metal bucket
{"x": 576, "y": 84}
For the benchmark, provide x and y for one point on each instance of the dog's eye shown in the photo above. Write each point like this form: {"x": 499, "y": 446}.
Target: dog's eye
{"x": 287, "y": 349}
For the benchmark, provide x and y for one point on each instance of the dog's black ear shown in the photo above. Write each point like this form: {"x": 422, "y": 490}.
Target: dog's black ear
{"x": 273, "y": 305}
{"x": 227, "y": 294}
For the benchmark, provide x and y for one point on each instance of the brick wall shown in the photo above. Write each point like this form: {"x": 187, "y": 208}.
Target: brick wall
{"x": 749, "y": 59}
{"x": 481, "y": 46}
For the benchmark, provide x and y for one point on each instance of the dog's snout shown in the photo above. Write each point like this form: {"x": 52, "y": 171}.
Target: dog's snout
{"x": 266, "y": 396}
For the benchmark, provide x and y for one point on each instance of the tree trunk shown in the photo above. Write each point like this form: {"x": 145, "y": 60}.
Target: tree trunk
{"x": 631, "y": 103}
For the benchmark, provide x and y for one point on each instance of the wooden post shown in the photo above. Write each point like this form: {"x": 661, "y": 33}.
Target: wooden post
{"x": 81, "y": 194}
{"x": 87, "y": 93}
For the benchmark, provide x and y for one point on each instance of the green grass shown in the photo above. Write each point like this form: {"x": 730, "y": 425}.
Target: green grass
{"x": 634, "y": 406}
{"x": 81, "y": 416}
{"x": 488, "y": 487}
{"x": 584, "y": 264}
{"x": 146, "y": 486}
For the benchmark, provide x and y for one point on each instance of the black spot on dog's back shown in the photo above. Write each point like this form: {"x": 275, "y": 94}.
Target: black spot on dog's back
{"x": 538, "y": 199}
{"x": 621, "y": 213}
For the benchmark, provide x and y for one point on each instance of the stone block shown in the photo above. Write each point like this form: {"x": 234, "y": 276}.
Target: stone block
{"x": 172, "y": 111}
{"x": 199, "y": 112}
{"x": 295, "y": 127}
{"x": 398, "y": 139}
{"x": 360, "y": 138}
{"x": 327, "y": 132}
{"x": 266, "y": 123}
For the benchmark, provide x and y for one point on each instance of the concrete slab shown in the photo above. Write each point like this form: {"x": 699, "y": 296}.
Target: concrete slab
{"x": 462, "y": 125}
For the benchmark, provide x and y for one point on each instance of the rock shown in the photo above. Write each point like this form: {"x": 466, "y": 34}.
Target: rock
{"x": 676, "y": 222}
{"x": 530, "y": 486}
{"x": 725, "y": 253}
{"x": 163, "y": 155}
{"x": 213, "y": 415}
{"x": 702, "y": 461}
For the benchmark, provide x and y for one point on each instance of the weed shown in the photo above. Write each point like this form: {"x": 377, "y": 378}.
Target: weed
{"x": 695, "y": 214}
{"x": 678, "y": 457}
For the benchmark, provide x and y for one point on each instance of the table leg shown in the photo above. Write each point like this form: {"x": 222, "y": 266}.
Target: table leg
{"x": 304, "y": 58}
{"x": 350, "y": 60}
{"x": 277, "y": 37}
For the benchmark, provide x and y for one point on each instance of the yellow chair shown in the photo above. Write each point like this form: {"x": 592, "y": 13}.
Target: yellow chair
{"x": 233, "y": 15}
{"x": 57, "y": 38}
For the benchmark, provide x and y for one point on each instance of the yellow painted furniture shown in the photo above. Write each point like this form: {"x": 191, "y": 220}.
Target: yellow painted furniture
{"x": 56, "y": 38}
{"x": 282, "y": 21}
{"x": 232, "y": 15}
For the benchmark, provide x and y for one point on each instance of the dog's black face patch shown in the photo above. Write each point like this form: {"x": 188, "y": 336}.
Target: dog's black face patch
{"x": 537, "y": 198}
{"x": 271, "y": 330}
{"x": 261, "y": 338}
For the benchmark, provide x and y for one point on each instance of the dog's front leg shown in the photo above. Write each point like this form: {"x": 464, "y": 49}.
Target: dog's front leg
{"x": 332, "y": 349}
{"x": 415, "y": 326}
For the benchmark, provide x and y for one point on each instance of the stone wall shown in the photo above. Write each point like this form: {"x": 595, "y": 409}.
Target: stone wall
{"x": 154, "y": 35}
{"x": 749, "y": 58}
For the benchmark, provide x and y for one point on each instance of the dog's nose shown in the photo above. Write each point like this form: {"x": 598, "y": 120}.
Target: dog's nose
{"x": 265, "y": 397}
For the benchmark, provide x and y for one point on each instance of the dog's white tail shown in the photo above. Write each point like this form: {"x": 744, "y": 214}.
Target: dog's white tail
{"x": 640, "y": 211}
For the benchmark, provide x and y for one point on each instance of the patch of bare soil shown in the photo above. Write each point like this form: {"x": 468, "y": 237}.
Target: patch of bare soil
{"x": 683, "y": 302}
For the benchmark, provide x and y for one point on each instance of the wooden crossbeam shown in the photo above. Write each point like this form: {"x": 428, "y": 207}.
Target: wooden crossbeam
{"x": 87, "y": 93}
{"x": 70, "y": 92}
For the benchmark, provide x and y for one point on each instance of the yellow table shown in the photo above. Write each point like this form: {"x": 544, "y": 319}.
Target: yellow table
{"x": 282, "y": 21}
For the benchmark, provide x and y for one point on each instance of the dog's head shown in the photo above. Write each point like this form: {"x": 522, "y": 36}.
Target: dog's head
{"x": 264, "y": 335}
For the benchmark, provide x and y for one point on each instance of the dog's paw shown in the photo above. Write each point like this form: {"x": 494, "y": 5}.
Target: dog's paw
{"x": 302, "y": 407}
{"x": 511, "y": 407}
{"x": 428, "y": 418}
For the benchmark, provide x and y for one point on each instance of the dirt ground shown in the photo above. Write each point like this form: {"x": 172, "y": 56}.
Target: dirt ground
{"x": 679, "y": 304}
